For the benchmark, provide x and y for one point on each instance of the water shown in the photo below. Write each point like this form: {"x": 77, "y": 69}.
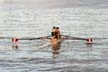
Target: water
{"x": 74, "y": 55}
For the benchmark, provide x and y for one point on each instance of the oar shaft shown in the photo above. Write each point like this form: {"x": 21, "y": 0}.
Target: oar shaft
{"x": 73, "y": 38}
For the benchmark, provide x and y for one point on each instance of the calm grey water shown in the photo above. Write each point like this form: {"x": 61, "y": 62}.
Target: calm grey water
{"x": 36, "y": 56}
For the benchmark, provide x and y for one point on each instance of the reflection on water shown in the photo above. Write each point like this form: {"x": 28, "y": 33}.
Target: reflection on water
{"x": 89, "y": 45}
{"x": 67, "y": 56}
{"x": 15, "y": 46}
{"x": 55, "y": 51}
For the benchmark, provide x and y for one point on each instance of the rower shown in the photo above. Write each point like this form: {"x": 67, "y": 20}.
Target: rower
{"x": 54, "y": 39}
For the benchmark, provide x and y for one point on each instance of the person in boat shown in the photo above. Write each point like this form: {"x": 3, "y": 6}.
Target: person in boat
{"x": 55, "y": 39}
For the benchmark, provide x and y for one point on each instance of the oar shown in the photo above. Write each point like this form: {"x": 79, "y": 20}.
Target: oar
{"x": 73, "y": 38}
{"x": 14, "y": 39}
{"x": 44, "y": 37}
{"x": 88, "y": 40}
